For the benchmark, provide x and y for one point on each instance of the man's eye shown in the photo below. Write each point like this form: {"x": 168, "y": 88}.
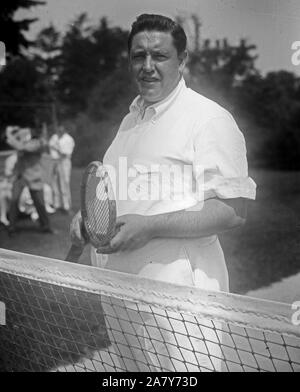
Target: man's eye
{"x": 138, "y": 57}
{"x": 159, "y": 57}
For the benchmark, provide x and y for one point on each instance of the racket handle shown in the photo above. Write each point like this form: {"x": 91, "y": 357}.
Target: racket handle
{"x": 74, "y": 253}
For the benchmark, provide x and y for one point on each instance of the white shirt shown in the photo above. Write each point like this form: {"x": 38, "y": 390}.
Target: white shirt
{"x": 65, "y": 144}
{"x": 10, "y": 164}
{"x": 184, "y": 130}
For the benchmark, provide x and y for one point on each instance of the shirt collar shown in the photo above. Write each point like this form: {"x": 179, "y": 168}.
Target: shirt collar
{"x": 158, "y": 107}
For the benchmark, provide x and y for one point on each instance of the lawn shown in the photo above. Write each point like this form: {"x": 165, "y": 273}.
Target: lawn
{"x": 267, "y": 248}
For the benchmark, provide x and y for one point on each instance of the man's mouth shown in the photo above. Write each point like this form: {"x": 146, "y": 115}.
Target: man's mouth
{"x": 148, "y": 80}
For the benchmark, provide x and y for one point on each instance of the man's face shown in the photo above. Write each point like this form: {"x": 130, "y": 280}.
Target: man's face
{"x": 155, "y": 64}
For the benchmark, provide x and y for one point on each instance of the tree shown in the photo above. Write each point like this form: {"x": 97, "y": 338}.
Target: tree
{"x": 274, "y": 103}
{"x": 88, "y": 55}
{"x": 216, "y": 68}
{"x": 11, "y": 30}
{"x": 112, "y": 96}
{"x": 271, "y": 99}
{"x": 22, "y": 96}
{"x": 79, "y": 65}
{"x": 47, "y": 57}
{"x": 111, "y": 47}
{"x": 221, "y": 66}
{"x": 47, "y": 51}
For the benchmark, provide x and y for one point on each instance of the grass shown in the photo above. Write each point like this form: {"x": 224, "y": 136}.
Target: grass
{"x": 267, "y": 248}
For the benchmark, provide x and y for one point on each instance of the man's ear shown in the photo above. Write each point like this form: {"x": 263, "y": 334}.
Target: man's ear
{"x": 183, "y": 58}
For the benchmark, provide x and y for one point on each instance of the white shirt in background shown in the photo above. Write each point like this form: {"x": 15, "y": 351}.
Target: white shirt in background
{"x": 65, "y": 144}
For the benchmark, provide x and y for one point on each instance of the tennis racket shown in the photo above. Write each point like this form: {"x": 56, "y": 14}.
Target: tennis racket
{"x": 98, "y": 209}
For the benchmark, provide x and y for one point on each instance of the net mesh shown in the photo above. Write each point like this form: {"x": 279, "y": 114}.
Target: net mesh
{"x": 68, "y": 317}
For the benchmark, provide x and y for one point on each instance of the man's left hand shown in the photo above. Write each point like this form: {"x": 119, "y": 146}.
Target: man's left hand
{"x": 133, "y": 231}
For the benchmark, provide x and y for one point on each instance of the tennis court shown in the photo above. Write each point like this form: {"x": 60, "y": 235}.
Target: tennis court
{"x": 70, "y": 317}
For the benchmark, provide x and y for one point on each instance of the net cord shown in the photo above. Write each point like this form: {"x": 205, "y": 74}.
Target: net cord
{"x": 235, "y": 309}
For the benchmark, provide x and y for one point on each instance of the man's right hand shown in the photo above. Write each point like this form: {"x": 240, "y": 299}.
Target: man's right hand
{"x": 76, "y": 231}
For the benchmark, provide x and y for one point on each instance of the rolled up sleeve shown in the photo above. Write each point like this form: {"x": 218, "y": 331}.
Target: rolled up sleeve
{"x": 220, "y": 160}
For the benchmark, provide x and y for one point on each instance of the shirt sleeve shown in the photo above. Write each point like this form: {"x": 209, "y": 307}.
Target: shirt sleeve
{"x": 220, "y": 160}
{"x": 67, "y": 145}
{"x": 52, "y": 140}
{"x": 10, "y": 164}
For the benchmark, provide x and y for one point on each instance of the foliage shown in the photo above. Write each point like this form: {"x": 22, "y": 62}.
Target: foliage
{"x": 89, "y": 55}
{"x": 12, "y": 30}
{"x": 92, "y": 138}
{"x": 111, "y": 95}
{"x": 47, "y": 54}
{"x": 274, "y": 101}
{"x": 20, "y": 91}
{"x": 85, "y": 73}
{"x": 222, "y": 66}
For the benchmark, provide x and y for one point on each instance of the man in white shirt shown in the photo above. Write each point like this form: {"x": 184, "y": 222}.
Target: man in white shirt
{"x": 61, "y": 146}
{"x": 172, "y": 237}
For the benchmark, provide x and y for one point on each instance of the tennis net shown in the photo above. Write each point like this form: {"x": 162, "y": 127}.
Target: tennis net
{"x": 69, "y": 317}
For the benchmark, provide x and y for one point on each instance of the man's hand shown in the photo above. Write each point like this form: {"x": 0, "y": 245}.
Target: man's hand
{"x": 133, "y": 232}
{"x": 76, "y": 231}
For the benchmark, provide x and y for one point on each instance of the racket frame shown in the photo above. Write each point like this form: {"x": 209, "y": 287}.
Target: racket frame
{"x": 102, "y": 172}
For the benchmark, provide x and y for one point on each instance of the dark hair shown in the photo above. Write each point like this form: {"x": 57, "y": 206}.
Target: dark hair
{"x": 151, "y": 22}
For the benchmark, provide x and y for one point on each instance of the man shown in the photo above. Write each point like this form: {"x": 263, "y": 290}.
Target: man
{"x": 61, "y": 146}
{"x": 173, "y": 239}
{"x": 28, "y": 172}
{"x": 6, "y": 187}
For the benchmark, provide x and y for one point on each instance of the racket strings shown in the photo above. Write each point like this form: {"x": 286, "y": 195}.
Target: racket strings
{"x": 98, "y": 217}
{"x": 99, "y": 214}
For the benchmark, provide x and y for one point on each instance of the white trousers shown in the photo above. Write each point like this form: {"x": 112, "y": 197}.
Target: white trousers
{"x": 61, "y": 184}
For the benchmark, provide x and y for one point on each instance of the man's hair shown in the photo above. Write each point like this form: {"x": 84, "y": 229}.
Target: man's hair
{"x": 151, "y": 22}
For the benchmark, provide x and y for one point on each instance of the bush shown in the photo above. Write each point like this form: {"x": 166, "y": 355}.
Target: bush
{"x": 273, "y": 103}
{"x": 92, "y": 139}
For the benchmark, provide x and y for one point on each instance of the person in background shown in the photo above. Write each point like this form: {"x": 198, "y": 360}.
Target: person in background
{"x": 5, "y": 191}
{"x": 25, "y": 205}
{"x": 6, "y": 186}
{"x": 28, "y": 172}
{"x": 61, "y": 146}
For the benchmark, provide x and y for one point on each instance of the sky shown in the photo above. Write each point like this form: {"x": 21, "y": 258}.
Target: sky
{"x": 272, "y": 25}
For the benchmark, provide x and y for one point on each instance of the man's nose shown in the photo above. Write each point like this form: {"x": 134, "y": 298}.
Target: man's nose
{"x": 148, "y": 64}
